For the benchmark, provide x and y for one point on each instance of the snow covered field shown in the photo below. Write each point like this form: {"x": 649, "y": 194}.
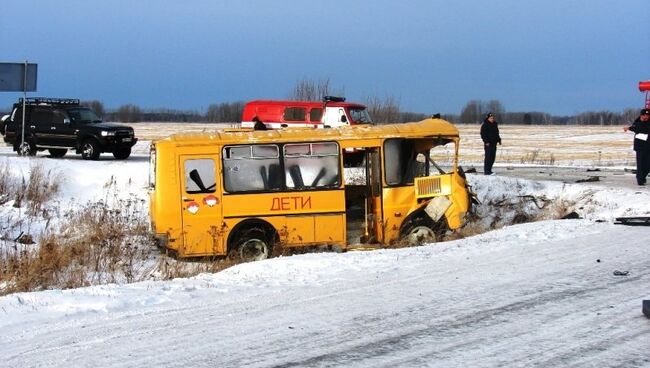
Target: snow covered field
{"x": 534, "y": 294}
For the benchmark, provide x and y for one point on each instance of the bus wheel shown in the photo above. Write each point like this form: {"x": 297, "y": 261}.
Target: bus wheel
{"x": 253, "y": 246}
{"x": 419, "y": 231}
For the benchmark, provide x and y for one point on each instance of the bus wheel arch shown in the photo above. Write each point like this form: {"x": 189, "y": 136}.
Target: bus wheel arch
{"x": 252, "y": 240}
{"x": 418, "y": 229}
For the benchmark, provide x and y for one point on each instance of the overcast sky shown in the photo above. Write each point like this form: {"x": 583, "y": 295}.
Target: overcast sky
{"x": 556, "y": 56}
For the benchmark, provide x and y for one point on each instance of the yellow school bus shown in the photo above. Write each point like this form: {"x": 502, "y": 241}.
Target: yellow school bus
{"x": 242, "y": 192}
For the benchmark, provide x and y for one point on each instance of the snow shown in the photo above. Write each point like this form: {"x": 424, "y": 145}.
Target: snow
{"x": 535, "y": 294}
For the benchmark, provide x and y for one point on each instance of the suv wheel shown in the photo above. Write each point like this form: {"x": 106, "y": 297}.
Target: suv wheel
{"x": 122, "y": 153}
{"x": 27, "y": 148}
{"x": 57, "y": 152}
{"x": 90, "y": 150}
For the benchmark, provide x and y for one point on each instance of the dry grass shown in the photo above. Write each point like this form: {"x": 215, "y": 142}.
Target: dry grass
{"x": 92, "y": 245}
{"x": 6, "y": 183}
{"x": 511, "y": 210}
{"x": 168, "y": 267}
{"x": 108, "y": 241}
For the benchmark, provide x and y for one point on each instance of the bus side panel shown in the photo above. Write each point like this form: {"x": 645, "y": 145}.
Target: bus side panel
{"x": 299, "y": 230}
{"x": 456, "y": 214}
{"x": 298, "y": 217}
{"x": 398, "y": 203}
{"x": 330, "y": 228}
{"x": 283, "y": 203}
{"x": 164, "y": 210}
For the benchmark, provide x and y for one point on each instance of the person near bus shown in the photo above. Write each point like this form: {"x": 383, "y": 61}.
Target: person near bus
{"x": 490, "y": 137}
{"x": 641, "y": 128}
{"x": 259, "y": 125}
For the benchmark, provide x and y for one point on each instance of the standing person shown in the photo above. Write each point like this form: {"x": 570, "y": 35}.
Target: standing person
{"x": 490, "y": 137}
{"x": 641, "y": 128}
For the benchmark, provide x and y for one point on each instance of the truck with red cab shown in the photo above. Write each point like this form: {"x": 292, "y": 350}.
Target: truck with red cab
{"x": 332, "y": 112}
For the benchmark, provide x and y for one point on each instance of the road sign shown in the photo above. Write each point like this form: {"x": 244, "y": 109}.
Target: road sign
{"x": 18, "y": 77}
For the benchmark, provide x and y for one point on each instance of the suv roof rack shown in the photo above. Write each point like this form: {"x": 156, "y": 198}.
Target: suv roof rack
{"x": 49, "y": 101}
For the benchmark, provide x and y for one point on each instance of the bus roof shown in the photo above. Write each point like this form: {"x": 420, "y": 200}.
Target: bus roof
{"x": 424, "y": 128}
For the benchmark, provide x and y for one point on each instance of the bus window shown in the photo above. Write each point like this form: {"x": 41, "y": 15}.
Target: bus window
{"x": 311, "y": 165}
{"x": 401, "y": 164}
{"x": 199, "y": 176}
{"x": 242, "y": 163}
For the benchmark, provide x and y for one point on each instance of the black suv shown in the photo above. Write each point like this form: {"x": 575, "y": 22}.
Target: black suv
{"x": 59, "y": 124}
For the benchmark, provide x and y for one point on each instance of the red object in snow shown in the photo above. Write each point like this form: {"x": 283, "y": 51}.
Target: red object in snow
{"x": 644, "y": 86}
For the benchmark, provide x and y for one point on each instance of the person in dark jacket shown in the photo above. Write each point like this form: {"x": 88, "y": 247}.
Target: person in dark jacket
{"x": 490, "y": 137}
{"x": 641, "y": 128}
{"x": 259, "y": 124}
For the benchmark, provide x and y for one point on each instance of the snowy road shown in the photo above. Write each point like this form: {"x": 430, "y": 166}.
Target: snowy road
{"x": 528, "y": 295}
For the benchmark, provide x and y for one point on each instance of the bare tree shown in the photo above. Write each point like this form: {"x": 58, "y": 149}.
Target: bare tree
{"x": 308, "y": 90}
{"x": 494, "y": 106}
{"x": 94, "y": 105}
{"x": 471, "y": 113}
{"x": 225, "y": 112}
{"x": 475, "y": 110}
{"x": 629, "y": 115}
{"x": 129, "y": 113}
{"x": 384, "y": 111}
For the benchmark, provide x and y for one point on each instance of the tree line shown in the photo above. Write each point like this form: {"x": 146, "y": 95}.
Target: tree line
{"x": 475, "y": 110}
{"x": 381, "y": 109}
{"x": 225, "y": 112}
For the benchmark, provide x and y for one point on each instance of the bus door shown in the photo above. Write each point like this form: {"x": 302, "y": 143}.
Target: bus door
{"x": 200, "y": 206}
{"x": 374, "y": 215}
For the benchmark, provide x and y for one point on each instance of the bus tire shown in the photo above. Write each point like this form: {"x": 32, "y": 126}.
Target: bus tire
{"x": 253, "y": 245}
{"x": 419, "y": 231}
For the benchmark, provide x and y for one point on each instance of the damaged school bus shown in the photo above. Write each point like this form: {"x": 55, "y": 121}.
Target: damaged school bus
{"x": 242, "y": 192}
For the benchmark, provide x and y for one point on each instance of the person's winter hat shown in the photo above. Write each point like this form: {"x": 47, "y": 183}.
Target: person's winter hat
{"x": 645, "y": 111}
{"x": 489, "y": 115}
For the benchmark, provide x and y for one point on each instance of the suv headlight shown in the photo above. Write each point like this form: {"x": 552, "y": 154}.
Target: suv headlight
{"x": 106, "y": 133}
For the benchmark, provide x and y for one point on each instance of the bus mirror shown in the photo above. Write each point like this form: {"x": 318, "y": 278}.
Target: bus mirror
{"x": 344, "y": 119}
